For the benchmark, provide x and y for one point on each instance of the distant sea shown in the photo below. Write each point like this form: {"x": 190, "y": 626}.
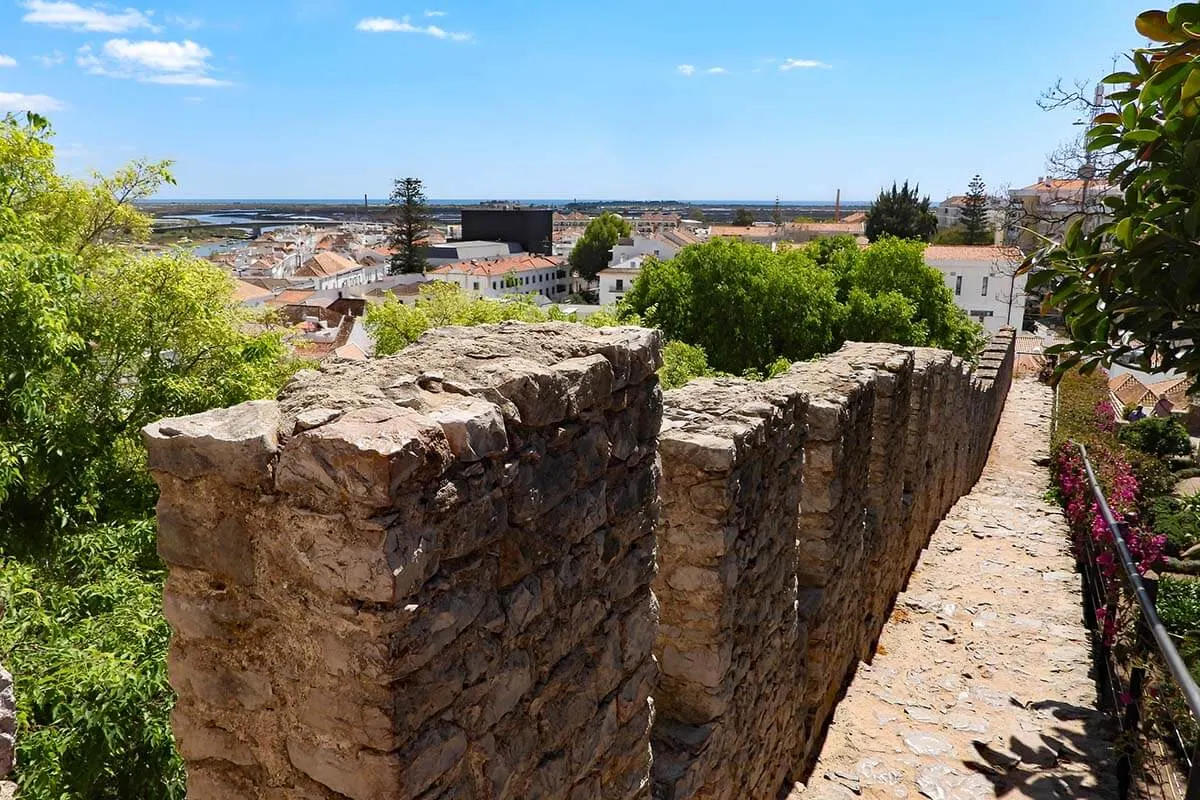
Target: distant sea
{"x": 458, "y": 201}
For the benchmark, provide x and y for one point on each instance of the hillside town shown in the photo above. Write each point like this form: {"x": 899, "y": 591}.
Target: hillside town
{"x": 320, "y": 280}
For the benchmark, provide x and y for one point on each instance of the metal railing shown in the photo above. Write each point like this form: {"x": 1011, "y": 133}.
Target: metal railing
{"x": 1151, "y": 640}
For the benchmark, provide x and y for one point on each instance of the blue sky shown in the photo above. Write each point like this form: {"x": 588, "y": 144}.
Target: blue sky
{"x": 549, "y": 99}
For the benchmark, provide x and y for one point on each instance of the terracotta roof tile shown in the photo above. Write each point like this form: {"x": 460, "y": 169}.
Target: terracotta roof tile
{"x": 326, "y": 265}
{"x": 291, "y": 297}
{"x": 988, "y": 253}
{"x": 247, "y": 292}
{"x": 499, "y": 266}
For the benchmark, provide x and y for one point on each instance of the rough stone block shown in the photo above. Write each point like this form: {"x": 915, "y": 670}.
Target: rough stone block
{"x": 236, "y": 443}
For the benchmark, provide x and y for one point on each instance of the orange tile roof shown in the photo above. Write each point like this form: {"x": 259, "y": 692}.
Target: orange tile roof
{"x": 738, "y": 231}
{"x": 291, "y": 297}
{"x": 987, "y": 252}
{"x": 858, "y": 217}
{"x": 326, "y": 265}
{"x": 680, "y": 237}
{"x": 351, "y": 351}
{"x": 850, "y": 228}
{"x": 1175, "y": 389}
{"x": 247, "y": 292}
{"x": 1129, "y": 390}
{"x": 499, "y": 266}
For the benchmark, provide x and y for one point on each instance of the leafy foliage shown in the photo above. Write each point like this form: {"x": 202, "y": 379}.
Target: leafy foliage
{"x": 682, "y": 363}
{"x": 748, "y": 307}
{"x": 395, "y": 325}
{"x": 902, "y": 213}
{"x": 85, "y": 637}
{"x": 975, "y": 213}
{"x": 1128, "y": 287}
{"x": 1177, "y": 518}
{"x": 1178, "y": 604}
{"x": 594, "y": 249}
{"x": 409, "y": 230}
{"x": 1157, "y": 436}
{"x": 97, "y": 342}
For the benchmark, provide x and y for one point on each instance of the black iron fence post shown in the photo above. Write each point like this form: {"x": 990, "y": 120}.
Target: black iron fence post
{"x": 1142, "y": 645}
{"x": 1193, "y": 784}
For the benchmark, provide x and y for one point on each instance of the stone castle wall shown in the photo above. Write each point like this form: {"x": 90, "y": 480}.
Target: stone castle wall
{"x": 430, "y": 576}
{"x": 793, "y": 512}
{"x": 422, "y": 577}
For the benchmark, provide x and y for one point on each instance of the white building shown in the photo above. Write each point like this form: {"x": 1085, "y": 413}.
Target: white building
{"x": 984, "y": 282}
{"x": 332, "y": 271}
{"x": 663, "y": 246}
{"x": 494, "y": 278}
{"x": 617, "y": 279}
{"x": 1048, "y": 207}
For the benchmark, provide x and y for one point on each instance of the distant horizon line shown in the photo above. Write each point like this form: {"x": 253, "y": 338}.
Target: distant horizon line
{"x": 375, "y": 201}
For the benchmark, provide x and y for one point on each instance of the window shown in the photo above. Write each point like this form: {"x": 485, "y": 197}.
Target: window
{"x": 958, "y": 286}
{"x": 476, "y": 285}
{"x": 620, "y": 287}
{"x": 985, "y": 283}
{"x": 494, "y": 287}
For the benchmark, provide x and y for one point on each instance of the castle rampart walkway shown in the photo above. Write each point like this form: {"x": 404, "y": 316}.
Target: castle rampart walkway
{"x": 981, "y": 684}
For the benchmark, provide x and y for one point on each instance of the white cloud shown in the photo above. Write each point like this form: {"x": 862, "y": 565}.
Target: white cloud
{"x": 185, "y": 22}
{"x": 404, "y": 25}
{"x": 171, "y": 63}
{"x": 435, "y": 13}
{"x": 37, "y": 103}
{"x": 802, "y": 63}
{"x": 7, "y": 61}
{"x": 184, "y": 79}
{"x": 716, "y": 70}
{"x": 72, "y": 15}
{"x": 185, "y": 56}
{"x": 686, "y": 70}
{"x": 52, "y": 59}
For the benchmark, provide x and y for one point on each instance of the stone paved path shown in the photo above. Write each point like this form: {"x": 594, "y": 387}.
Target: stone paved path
{"x": 981, "y": 685}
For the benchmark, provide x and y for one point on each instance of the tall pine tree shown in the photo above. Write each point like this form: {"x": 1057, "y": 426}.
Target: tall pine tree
{"x": 976, "y": 227}
{"x": 412, "y": 222}
{"x": 902, "y": 213}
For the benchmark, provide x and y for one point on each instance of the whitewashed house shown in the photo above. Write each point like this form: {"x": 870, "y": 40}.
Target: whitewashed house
{"x": 494, "y": 278}
{"x": 984, "y": 282}
{"x": 617, "y": 279}
{"x": 329, "y": 270}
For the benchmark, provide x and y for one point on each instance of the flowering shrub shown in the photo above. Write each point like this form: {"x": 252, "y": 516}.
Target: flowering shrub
{"x": 1086, "y": 416}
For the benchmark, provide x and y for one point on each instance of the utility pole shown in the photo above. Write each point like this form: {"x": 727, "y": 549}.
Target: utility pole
{"x": 1088, "y": 170}
{"x": 837, "y": 207}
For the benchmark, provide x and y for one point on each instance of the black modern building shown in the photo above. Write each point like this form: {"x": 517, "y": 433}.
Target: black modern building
{"x": 533, "y": 229}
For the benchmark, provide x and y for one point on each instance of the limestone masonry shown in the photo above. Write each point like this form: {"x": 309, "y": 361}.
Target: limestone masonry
{"x": 430, "y": 575}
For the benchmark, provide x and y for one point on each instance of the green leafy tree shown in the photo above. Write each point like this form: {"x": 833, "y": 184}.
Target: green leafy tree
{"x": 748, "y": 307}
{"x": 593, "y": 251}
{"x": 1128, "y": 287}
{"x": 682, "y": 363}
{"x": 395, "y": 325}
{"x": 97, "y": 342}
{"x": 975, "y": 213}
{"x": 409, "y": 230}
{"x": 901, "y": 212}
{"x": 1157, "y": 436}
{"x": 743, "y": 218}
{"x": 744, "y": 305}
